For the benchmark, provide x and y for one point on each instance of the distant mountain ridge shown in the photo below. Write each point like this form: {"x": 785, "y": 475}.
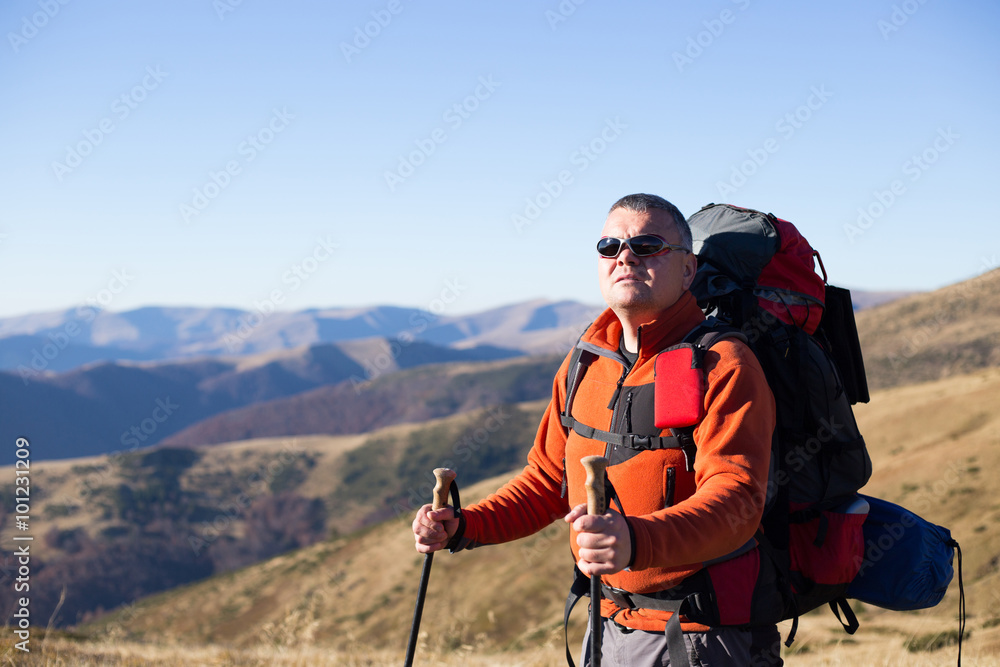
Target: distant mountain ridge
{"x": 865, "y": 299}
{"x": 63, "y": 340}
{"x": 60, "y": 341}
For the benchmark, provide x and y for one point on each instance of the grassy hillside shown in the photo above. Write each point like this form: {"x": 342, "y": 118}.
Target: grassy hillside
{"x": 361, "y": 404}
{"x": 933, "y": 446}
{"x": 951, "y": 331}
{"x": 113, "y": 529}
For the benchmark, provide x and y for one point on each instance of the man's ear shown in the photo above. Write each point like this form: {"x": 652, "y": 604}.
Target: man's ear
{"x": 690, "y": 268}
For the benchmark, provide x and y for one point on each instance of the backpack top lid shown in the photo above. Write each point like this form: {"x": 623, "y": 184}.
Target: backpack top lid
{"x": 742, "y": 248}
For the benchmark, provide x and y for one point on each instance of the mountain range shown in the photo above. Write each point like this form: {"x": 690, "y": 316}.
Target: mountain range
{"x": 44, "y": 343}
{"x": 53, "y": 342}
{"x": 135, "y": 378}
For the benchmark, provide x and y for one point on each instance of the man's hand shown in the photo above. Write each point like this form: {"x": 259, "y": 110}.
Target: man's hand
{"x": 605, "y": 546}
{"x": 433, "y": 528}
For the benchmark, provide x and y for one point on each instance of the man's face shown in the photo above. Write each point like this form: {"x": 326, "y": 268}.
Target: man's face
{"x": 639, "y": 288}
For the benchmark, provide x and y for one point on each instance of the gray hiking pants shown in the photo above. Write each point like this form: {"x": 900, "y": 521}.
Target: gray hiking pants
{"x": 719, "y": 647}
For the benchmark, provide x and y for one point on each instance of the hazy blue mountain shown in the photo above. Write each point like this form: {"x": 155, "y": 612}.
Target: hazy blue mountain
{"x": 59, "y": 341}
{"x": 106, "y": 407}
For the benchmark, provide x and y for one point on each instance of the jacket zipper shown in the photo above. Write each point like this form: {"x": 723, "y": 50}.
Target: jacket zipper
{"x": 614, "y": 410}
{"x": 613, "y": 405}
{"x": 628, "y": 412}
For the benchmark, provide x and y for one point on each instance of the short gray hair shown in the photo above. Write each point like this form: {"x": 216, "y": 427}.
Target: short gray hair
{"x": 641, "y": 202}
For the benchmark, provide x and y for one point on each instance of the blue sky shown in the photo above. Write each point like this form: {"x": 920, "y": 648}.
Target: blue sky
{"x": 310, "y": 154}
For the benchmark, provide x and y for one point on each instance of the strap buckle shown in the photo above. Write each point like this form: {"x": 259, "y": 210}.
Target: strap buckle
{"x": 641, "y": 441}
{"x": 620, "y": 597}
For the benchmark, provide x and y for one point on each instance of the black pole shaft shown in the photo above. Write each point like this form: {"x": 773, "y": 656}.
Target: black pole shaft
{"x": 595, "y": 620}
{"x": 425, "y": 576}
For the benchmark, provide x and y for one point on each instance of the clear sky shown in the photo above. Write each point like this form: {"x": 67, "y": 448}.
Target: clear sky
{"x": 314, "y": 154}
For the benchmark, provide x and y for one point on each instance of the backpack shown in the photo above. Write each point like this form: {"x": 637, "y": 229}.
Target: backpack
{"x": 828, "y": 543}
{"x": 756, "y": 272}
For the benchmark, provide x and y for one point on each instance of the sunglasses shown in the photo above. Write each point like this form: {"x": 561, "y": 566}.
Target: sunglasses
{"x": 644, "y": 245}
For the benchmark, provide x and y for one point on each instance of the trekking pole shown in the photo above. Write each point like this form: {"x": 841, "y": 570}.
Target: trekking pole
{"x": 443, "y": 479}
{"x": 596, "y": 504}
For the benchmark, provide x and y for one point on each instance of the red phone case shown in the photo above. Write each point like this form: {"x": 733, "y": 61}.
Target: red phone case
{"x": 679, "y": 388}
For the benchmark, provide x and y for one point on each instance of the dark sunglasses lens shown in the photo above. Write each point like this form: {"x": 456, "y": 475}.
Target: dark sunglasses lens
{"x": 608, "y": 247}
{"x": 645, "y": 245}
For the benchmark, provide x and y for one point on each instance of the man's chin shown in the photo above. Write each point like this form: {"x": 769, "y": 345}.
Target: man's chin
{"x": 631, "y": 304}
{"x": 629, "y": 293}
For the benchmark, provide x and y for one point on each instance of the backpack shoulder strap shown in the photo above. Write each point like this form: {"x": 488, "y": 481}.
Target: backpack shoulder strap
{"x": 713, "y": 331}
{"x": 580, "y": 360}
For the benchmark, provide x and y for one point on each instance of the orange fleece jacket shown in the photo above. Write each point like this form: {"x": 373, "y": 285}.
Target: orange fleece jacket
{"x": 717, "y": 507}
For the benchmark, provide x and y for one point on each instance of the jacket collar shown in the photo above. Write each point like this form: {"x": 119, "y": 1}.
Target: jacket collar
{"x": 668, "y": 328}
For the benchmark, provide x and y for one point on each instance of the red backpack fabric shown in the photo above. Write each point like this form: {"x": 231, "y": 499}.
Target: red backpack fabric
{"x": 793, "y": 271}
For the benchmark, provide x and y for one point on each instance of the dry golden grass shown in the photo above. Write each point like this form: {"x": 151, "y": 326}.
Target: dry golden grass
{"x": 818, "y": 644}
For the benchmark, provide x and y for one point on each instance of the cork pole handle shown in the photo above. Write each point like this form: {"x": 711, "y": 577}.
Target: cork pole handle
{"x": 595, "y": 467}
{"x": 444, "y": 477}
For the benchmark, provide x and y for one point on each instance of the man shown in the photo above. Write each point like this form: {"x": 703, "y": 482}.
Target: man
{"x": 683, "y": 505}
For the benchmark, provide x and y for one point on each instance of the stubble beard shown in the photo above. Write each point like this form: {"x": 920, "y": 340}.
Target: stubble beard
{"x": 633, "y": 300}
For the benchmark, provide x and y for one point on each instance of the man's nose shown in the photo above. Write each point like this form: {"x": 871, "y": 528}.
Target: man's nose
{"x": 627, "y": 257}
